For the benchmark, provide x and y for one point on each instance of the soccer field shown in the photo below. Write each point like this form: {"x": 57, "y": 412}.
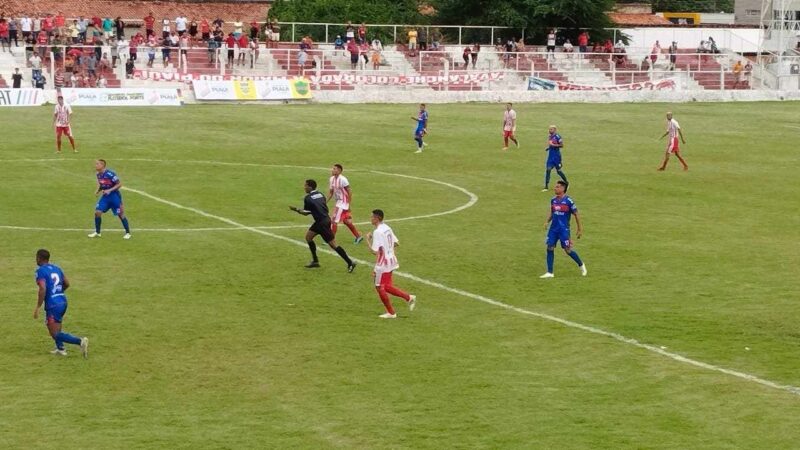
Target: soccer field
{"x": 208, "y": 332}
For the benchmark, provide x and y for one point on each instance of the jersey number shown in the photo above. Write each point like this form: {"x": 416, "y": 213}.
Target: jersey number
{"x": 56, "y": 283}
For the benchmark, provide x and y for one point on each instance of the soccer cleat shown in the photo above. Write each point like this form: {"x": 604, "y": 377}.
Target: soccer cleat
{"x": 545, "y": 190}
{"x": 583, "y": 270}
{"x": 351, "y": 267}
{"x": 94, "y": 235}
{"x": 412, "y": 302}
{"x": 58, "y": 351}
{"x": 418, "y": 151}
{"x": 547, "y": 275}
{"x": 85, "y": 347}
{"x": 312, "y": 265}
{"x": 359, "y": 239}
{"x": 504, "y": 148}
{"x": 517, "y": 143}
{"x": 388, "y": 316}
{"x": 127, "y": 236}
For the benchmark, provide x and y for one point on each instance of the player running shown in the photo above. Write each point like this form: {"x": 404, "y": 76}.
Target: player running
{"x": 52, "y": 284}
{"x": 340, "y": 188}
{"x": 673, "y": 130}
{"x": 61, "y": 121}
{"x": 108, "y": 184}
{"x": 314, "y": 204}
{"x": 561, "y": 208}
{"x": 509, "y": 126}
{"x": 382, "y": 243}
{"x": 554, "y": 146}
{"x": 422, "y": 127}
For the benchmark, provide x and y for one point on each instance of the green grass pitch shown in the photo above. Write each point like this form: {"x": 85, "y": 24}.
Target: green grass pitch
{"x": 221, "y": 339}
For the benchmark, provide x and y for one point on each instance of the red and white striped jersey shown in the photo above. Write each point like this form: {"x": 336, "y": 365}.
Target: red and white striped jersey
{"x": 338, "y": 185}
{"x": 62, "y": 115}
{"x": 672, "y": 128}
{"x": 508, "y": 120}
{"x": 383, "y": 242}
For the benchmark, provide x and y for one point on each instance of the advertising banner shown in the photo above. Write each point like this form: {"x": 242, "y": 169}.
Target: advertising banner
{"x": 243, "y": 90}
{"x": 541, "y": 84}
{"x": 121, "y": 97}
{"x": 21, "y": 97}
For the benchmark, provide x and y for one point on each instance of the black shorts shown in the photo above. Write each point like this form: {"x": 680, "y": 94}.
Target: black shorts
{"x": 206, "y": 36}
{"x": 551, "y": 48}
{"x": 323, "y": 229}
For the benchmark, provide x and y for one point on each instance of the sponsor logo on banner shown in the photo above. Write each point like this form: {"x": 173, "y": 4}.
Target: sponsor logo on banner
{"x": 121, "y": 97}
{"x": 21, "y": 97}
{"x": 535, "y": 84}
{"x": 274, "y": 89}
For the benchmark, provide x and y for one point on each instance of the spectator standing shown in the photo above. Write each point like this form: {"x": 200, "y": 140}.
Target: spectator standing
{"x": 338, "y": 43}
{"x": 352, "y": 48}
{"x": 376, "y": 59}
{"x": 60, "y": 23}
{"x": 108, "y": 27}
{"x": 254, "y": 29}
{"x": 119, "y": 27}
{"x": 654, "y": 53}
{"x": 136, "y": 41}
{"x": 465, "y": 55}
{"x": 302, "y": 57}
{"x": 149, "y": 23}
{"x": 230, "y": 42}
{"x": 83, "y": 26}
{"x": 673, "y": 55}
{"x": 165, "y": 28}
{"x": 583, "y": 41}
{"x": 36, "y": 65}
{"x": 212, "y": 51}
{"x": 73, "y": 32}
{"x": 349, "y": 32}
{"x": 551, "y": 44}
{"x": 26, "y": 25}
{"x": 129, "y": 68}
{"x": 363, "y": 51}
{"x": 435, "y": 38}
{"x": 151, "y": 54}
{"x": 180, "y": 24}
{"x": 748, "y": 70}
{"x": 362, "y": 33}
{"x": 74, "y": 81}
{"x": 423, "y": 38}
{"x": 205, "y": 30}
{"x": 40, "y": 82}
{"x": 237, "y": 28}
{"x": 377, "y": 45}
{"x": 476, "y": 48}
{"x": 13, "y": 29}
{"x": 738, "y": 74}
{"x": 123, "y": 49}
{"x": 193, "y": 31}
{"x": 42, "y": 43}
{"x": 254, "y": 45}
{"x": 5, "y": 43}
{"x": 58, "y": 79}
{"x": 412, "y": 41}
{"x": 568, "y": 47}
{"x": 16, "y": 79}
{"x": 37, "y": 26}
{"x": 244, "y": 48}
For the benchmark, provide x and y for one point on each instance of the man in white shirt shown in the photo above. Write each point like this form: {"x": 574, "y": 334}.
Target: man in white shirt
{"x": 26, "y": 25}
{"x": 382, "y": 243}
{"x": 36, "y": 65}
{"x": 339, "y": 187}
{"x": 551, "y": 43}
{"x": 165, "y": 28}
{"x": 674, "y": 131}
{"x": 509, "y": 126}
{"x": 180, "y": 24}
{"x": 61, "y": 120}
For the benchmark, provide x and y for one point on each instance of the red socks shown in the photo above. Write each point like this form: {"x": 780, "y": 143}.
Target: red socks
{"x": 352, "y": 229}
{"x": 385, "y": 299}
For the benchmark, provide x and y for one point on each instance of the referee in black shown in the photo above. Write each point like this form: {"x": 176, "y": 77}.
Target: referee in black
{"x": 316, "y": 205}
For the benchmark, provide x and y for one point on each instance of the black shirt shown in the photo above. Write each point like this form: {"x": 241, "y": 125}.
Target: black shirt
{"x": 316, "y": 203}
{"x": 16, "y": 80}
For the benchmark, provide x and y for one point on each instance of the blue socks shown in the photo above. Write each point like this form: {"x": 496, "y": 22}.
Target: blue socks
{"x": 576, "y": 258}
{"x": 561, "y": 174}
{"x": 97, "y": 221}
{"x": 419, "y": 142}
{"x": 66, "y": 337}
{"x": 125, "y": 224}
{"x": 551, "y": 256}
{"x": 547, "y": 178}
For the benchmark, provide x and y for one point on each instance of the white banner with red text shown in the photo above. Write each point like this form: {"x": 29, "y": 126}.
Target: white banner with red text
{"x": 281, "y": 89}
{"x": 121, "y": 97}
{"x": 22, "y": 97}
{"x": 542, "y": 84}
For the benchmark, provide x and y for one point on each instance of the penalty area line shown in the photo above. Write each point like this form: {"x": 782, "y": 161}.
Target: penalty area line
{"x": 567, "y": 323}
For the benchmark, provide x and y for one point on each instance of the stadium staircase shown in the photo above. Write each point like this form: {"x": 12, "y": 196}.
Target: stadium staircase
{"x": 432, "y": 63}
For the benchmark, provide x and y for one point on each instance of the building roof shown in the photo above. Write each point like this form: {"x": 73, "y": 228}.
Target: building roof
{"x": 138, "y": 9}
{"x": 638, "y": 19}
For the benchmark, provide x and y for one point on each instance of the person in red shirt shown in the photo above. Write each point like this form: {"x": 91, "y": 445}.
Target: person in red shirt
{"x": 60, "y": 22}
{"x": 4, "y": 35}
{"x": 231, "y": 43}
{"x": 583, "y": 41}
{"x": 47, "y": 24}
{"x": 205, "y": 30}
{"x": 254, "y": 29}
{"x": 243, "y": 44}
{"x": 362, "y": 32}
{"x": 149, "y": 21}
{"x": 41, "y": 41}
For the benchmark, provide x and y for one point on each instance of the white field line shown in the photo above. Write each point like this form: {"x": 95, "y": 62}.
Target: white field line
{"x": 88, "y": 229}
{"x": 568, "y": 323}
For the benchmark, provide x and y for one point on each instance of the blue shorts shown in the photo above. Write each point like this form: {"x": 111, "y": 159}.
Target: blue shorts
{"x": 112, "y": 202}
{"x": 554, "y": 163}
{"x": 419, "y": 133}
{"x": 54, "y": 313}
{"x": 555, "y": 235}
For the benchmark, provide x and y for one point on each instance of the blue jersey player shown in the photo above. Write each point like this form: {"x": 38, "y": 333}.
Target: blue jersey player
{"x": 108, "y": 185}
{"x": 52, "y": 284}
{"x": 422, "y": 127}
{"x": 554, "y": 145}
{"x": 562, "y": 208}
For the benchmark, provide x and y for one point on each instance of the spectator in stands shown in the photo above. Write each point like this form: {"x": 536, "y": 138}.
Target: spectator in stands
{"x": 338, "y": 43}
{"x": 119, "y": 27}
{"x": 151, "y": 54}
{"x": 673, "y": 55}
{"x": 26, "y": 25}
{"x": 583, "y": 41}
{"x": 48, "y": 25}
{"x": 551, "y": 44}
{"x": 97, "y": 25}
{"x": 254, "y": 46}
{"x": 254, "y": 29}
{"x": 352, "y": 48}
{"x": 165, "y": 28}
{"x": 60, "y": 23}
{"x": 738, "y": 74}
{"x": 362, "y": 33}
{"x": 476, "y": 48}
{"x": 349, "y": 32}
{"x": 180, "y": 24}
{"x": 149, "y": 23}
{"x": 377, "y": 45}
{"x": 436, "y": 38}
{"x": 36, "y": 65}
{"x": 465, "y": 55}
{"x": 83, "y": 26}
{"x": 183, "y": 44}
{"x": 193, "y": 31}
{"x": 5, "y": 43}
{"x": 218, "y": 23}
{"x": 412, "y": 41}
{"x": 376, "y": 59}
{"x": 302, "y": 57}
{"x": 108, "y": 27}
{"x": 123, "y": 50}
{"x": 654, "y": 52}
{"x": 58, "y": 79}
{"x": 219, "y": 37}
{"x": 568, "y": 47}
{"x": 212, "y": 50}
{"x": 519, "y": 46}
{"x": 41, "y": 42}
{"x": 363, "y": 51}
{"x": 230, "y": 42}
{"x": 40, "y": 82}
{"x": 619, "y": 53}
{"x": 98, "y": 48}
{"x": 73, "y": 32}
{"x": 237, "y": 27}
{"x": 712, "y": 45}
{"x": 76, "y": 54}
{"x": 703, "y": 47}
{"x": 113, "y": 48}
{"x": 16, "y": 79}
{"x": 166, "y": 52}
{"x": 205, "y": 30}
{"x": 244, "y": 48}
{"x": 129, "y": 68}
{"x": 13, "y": 29}
{"x": 74, "y": 80}
{"x": 102, "y": 83}
{"x": 423, "y": 38}
{"x": 509, "y": 51}
{"x": 608, "y": 47}
{"x": 69, "y": 63}
{"x": 104, "y": 64}
{"x": 37, "y": 26}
